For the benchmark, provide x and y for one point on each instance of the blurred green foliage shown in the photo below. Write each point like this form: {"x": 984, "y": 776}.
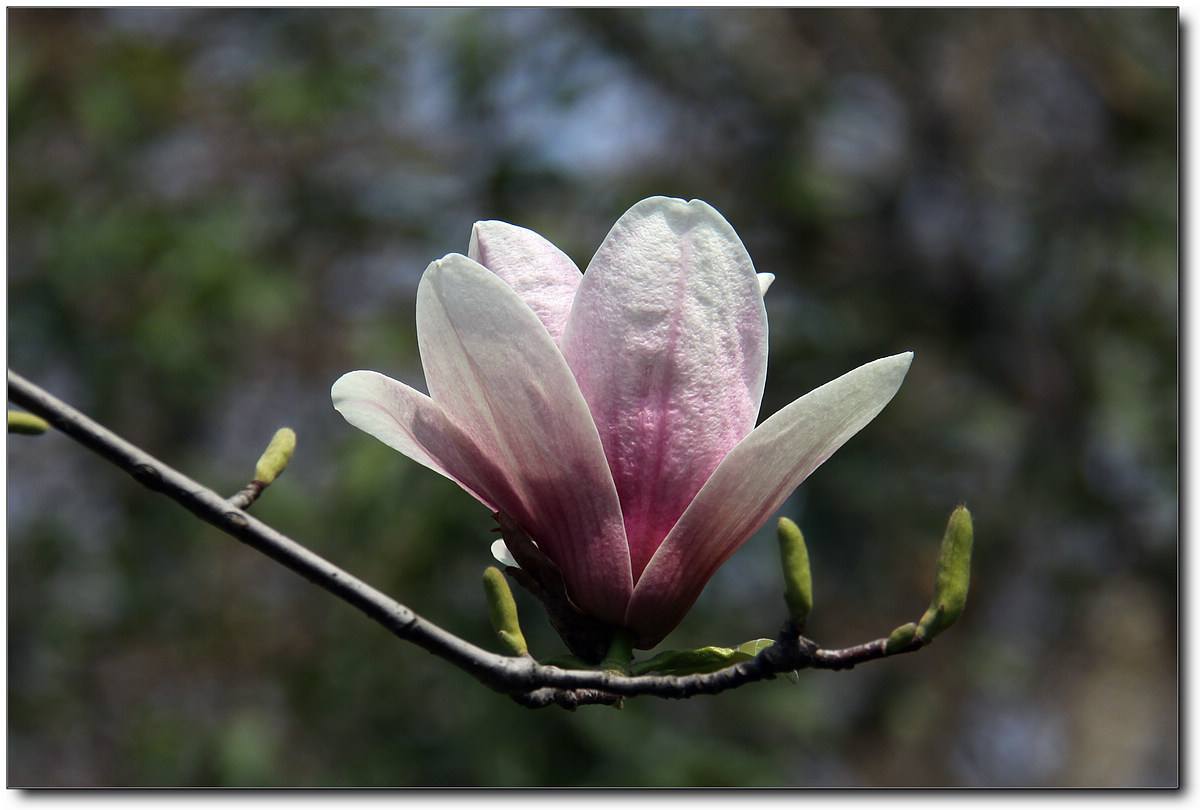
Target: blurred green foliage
{"x": 213, "y": 214}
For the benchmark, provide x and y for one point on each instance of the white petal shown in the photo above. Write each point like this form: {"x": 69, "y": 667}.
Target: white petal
{"x": 764, "y": 282}
{"x": 497, "y": 373}
{"x": 753, "y": 482}
{"x": 408, "y": 421}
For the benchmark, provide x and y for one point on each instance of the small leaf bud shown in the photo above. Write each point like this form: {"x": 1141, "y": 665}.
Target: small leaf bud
{"x": 26, "y": 423}
{"x": 953, "y": 577}
{"x": 276, "y": 457}
{"x": 797, "y": 576}
{"x": 503, "y": 611}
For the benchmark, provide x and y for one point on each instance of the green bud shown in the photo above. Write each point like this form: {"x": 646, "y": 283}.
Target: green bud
{"x": 26, "y": 423}
{"x": 276, "y": 457}
{"x": 953, "y": 577}
{"x": 900, "y": 638}
{"x": 797, "y": 576}
{"x": 503, "y": 610}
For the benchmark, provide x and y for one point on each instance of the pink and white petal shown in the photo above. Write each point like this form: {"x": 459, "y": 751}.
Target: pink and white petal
{"x": 668, "y": 340}
{"x": 496, "y": 372}
{"x": 750, "y": 484}
{"x": 543, "y": 276}
{"x": 764, "y": 282}
{"x": 408, "y": 421}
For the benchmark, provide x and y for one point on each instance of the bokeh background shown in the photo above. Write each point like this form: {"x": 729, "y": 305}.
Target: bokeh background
{"x": 213, "y": 214}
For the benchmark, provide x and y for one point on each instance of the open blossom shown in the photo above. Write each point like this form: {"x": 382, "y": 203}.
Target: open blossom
{"x": 611, "y": 414}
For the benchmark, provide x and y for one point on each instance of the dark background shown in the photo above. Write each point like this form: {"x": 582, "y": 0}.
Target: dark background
{"x": 213, "y": 214}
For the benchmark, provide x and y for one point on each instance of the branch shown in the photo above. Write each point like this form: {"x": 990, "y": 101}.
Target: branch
{"x": 526, "y": 681}
{"x": 247, "y": 495}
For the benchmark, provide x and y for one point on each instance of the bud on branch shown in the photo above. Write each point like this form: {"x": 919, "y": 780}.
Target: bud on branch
{"x": 953, "y": 577}
{"x": 797, "y": 574}
{"x": 270, "y": 466}
{"x": 26, "y": 423}
{"x": 503, "y": 610}
{"x": 275, "y": 458}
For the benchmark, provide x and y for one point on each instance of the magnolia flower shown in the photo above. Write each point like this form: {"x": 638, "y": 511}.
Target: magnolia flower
{"x": 611, "y": 414}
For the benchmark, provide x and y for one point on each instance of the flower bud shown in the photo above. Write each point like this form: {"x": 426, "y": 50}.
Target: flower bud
{"x": 797, "y": 577}
{"x": 27, "y": 423}
{"x": 503, "y": 610}
{"x": 953, "y": 577}
{"x": 276, "y": 457}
